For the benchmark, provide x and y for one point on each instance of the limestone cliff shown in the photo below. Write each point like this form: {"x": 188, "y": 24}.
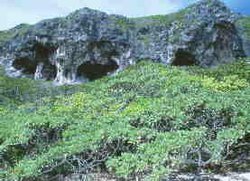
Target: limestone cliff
{"x": 88, "y": 44}
{"x": 243, "y": 26}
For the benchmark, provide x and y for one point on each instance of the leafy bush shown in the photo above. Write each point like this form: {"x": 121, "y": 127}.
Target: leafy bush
{"x": 239, "y": 68}
{"x": 228, "y": 83}
{"x": 145, "y": 122}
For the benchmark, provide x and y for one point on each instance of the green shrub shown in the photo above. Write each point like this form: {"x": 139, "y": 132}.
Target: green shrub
{"x": 228, "y": 83}
{"x": 239, "y": 68}
{"x": 144, "y": 123}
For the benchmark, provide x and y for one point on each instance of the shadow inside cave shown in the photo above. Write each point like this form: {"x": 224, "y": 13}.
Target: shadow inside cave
{"x": 93, "y": 71}
{"x": 184, "y": 58}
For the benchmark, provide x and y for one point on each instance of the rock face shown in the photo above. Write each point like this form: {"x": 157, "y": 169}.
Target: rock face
{"x": 243, "y": 26}
{"x": 89, "y": 44}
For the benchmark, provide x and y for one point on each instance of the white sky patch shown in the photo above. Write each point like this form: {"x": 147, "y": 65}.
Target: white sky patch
{"x": 14, "y": 12}
{"x": 124, "y": 7}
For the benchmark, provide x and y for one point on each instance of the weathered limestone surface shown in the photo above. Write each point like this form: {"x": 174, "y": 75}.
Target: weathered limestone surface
{"x": 88, "y": 44}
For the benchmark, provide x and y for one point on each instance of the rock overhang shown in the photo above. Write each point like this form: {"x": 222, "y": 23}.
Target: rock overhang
{"x": 203, "y": 33}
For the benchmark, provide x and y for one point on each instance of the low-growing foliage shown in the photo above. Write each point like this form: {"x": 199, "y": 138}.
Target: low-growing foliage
{"x": 145, "y": 122}
{"x": 228, "y": 83}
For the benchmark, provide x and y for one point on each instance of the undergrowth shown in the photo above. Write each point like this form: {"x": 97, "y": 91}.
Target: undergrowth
{"x": 146, "y": 122}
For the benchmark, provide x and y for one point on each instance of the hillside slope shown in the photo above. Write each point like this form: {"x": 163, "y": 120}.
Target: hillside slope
{"x": 146, "y": 122}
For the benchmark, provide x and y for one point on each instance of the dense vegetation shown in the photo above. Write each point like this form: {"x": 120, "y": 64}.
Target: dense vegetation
{"x": 147, "y": 122}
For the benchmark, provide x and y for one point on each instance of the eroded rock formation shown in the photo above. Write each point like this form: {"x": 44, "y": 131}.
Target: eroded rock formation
{"x": 89, "y": 44}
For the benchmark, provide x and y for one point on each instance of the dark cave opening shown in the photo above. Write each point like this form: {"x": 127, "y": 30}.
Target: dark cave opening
{"x": 49, "y": 72}
{"x": 184, "y": 58}
{"x": 26, "y": 65}
{"x": 93, "y": 71}
{"x": 42, "y": 53}
{"x": 30, "y": 66}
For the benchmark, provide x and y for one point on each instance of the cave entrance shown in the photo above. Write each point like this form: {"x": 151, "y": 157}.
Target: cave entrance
{"x": 42, "y": 52}
{"x": 38, "y": 64}
{"x": 30, "y": 68}
{"x": 93, "y": 71}
{"x": 183, "y": 58}
{"x": 49, "y": 72}
{"x": 26, "y": 65}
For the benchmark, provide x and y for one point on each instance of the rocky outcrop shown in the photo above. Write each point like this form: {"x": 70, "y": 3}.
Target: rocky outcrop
{"x": 243, "y": 26}
{"x": 89, "y": 44}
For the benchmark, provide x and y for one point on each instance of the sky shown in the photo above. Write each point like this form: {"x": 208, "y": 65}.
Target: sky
{"x": 14, "y": 12}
